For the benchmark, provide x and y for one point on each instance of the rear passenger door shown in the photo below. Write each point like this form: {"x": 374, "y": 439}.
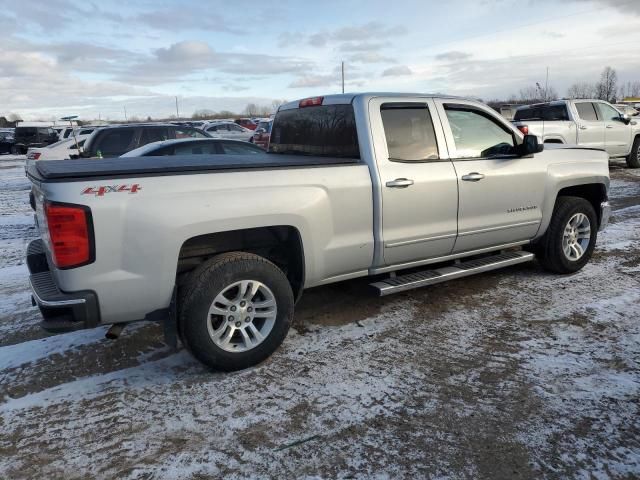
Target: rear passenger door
{"x": 590, "y": 125}
{"x": 417, "y": 181}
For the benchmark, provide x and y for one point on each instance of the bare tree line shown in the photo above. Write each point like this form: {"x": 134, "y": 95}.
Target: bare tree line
{"x": 606, "y": 88}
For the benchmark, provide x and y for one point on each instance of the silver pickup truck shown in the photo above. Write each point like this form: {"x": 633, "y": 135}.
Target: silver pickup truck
{"x": 220, "y": 247}
{"x": 592, "y": 123}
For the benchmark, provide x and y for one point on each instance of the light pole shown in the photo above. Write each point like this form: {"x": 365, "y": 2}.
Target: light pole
{"x": 73, "y": 130}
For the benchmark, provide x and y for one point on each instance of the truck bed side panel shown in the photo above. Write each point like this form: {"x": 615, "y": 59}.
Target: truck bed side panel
{"x": 139, "y": 235}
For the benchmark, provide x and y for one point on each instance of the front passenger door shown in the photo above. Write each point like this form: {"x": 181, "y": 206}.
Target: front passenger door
{"x": 617, "y": 134}
{"x": 500, "y": 194}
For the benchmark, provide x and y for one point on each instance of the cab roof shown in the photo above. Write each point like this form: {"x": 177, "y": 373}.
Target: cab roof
{"x": 346, "y": 98}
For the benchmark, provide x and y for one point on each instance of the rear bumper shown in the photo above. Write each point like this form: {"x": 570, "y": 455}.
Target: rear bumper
{"x": 61, "y": 311}
{"x": 605, "y": 214}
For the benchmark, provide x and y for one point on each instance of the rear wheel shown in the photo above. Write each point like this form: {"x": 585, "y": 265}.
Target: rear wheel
{"x": 235, "y": 311}
{"x": 633, "y": 160}
{"x": 571, "y": 237}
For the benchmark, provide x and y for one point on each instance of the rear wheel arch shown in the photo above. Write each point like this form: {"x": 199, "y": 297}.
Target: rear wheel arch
{"x": 280, "y": 244}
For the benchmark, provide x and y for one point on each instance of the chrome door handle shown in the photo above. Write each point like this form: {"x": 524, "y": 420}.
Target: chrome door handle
{"x": 472, "y": 177}
{"x": 609, "y": 126}
{"x": 399, "y": 183}
{"x": 582, "y": 127}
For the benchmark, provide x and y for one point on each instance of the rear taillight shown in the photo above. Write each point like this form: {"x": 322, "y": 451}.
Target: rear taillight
{"x": 71, "y": 234}
{"x": 311, "y": 102}
{"x": 524, "y": 129}
{"x": 34, "y": 155}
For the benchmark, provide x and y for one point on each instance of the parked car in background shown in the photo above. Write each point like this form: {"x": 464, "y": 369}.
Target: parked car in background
{"x": 262, "y": 134}
{"x": 27, "y": 137}
{"x": 246, "y": 123}
{"x": 592, "y": 123}
{"x": 114, "y": 140}
{"x": 195, "y": 146}
{"x": 68, "y": 132}
{"x": 220, "y": 247}
{"x": 508, "y": 110}
{"x": 61, "y": 150}
{"x": 6, "y": 142}
{"x": 230, "y": 130}
{"x": 627, "y": 109}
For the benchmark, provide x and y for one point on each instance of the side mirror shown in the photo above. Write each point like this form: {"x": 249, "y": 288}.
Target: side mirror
{"x": 624, "y": 118}
{"x": 530, "y": 146}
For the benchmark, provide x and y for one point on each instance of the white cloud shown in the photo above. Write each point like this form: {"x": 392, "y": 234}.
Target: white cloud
{"x": 315, "y": 81}
{"x": 453, "y": 56}
{"x": 397, "y": 71}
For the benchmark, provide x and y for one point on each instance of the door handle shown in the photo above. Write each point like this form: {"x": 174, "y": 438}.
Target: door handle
{"x": 583, "y": 127}
{"x": 399, "y": 183}
{"x": 473, "y": 177}
{"x": 609, "y": 126}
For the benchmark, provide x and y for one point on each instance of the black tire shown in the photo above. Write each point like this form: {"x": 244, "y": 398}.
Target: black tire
{"x": 213, "y": 277}
{"x": 633, "y": 160}
{"x": 550, "y": 253}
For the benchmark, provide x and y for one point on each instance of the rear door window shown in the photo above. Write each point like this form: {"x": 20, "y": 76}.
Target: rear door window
{"x": 409, "y": 131}
{"x": 116, "y": 142}
{"x": 150, "y": 135}
{"x": 326, "y": 130}
{"x": 238, "y": 148}
{"x": 186, "y": 132}
{"x": 195, "y": 148}
{"x": 586, "y": 111}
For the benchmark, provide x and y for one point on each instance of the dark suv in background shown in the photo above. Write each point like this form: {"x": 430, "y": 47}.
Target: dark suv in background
{"x": 27, "y": 137}
{"x": 114, "y": 140}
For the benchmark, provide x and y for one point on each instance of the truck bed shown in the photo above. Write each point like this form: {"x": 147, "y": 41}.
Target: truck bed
{"x": 68, "y": 170}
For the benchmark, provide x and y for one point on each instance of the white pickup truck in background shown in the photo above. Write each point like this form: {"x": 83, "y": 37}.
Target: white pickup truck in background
{"x": 590, "y": 123}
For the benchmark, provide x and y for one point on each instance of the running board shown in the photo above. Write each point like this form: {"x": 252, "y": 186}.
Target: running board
{"x": 459, "y": 270}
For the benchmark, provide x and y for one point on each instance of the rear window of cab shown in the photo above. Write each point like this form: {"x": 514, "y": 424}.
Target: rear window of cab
{"x": 547, "y": 113}
{"x": 322, "y": 130}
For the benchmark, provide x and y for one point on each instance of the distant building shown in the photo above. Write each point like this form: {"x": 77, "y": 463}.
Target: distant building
{"x": 633, "y": 101}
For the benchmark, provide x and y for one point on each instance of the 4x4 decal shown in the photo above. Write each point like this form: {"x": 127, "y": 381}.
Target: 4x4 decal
{"x": 101, "y": 190}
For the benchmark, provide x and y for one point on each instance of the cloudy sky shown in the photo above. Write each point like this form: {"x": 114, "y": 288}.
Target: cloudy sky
{"x": 92, "y": 58}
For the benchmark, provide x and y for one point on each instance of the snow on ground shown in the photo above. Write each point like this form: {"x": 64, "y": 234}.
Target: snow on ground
{"x": 512, "y": 374}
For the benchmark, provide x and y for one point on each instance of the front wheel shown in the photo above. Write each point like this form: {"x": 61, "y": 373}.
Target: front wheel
{"x": 633, "y": 160}
{"x": 570, "y": 239}
{"x": 235, "y": 310}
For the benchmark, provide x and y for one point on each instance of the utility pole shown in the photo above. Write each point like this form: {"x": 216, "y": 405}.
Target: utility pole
{"x": 177, "y": 112}
{"x": 546, "y": 87}
{"x": 342, "y": 68}
{"x": 125, "y": 113}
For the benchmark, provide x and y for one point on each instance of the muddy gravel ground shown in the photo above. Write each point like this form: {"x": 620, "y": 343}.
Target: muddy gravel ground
{"x": 514, "y": 374}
